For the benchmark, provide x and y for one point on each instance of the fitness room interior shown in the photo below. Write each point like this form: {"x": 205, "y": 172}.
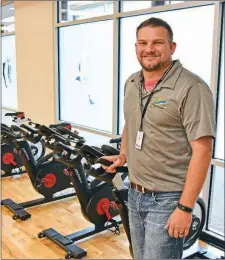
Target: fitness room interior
{"x": 62, "y": 106}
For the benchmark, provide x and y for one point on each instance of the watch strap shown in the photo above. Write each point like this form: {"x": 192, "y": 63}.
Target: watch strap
{"x": 184, "y": 208}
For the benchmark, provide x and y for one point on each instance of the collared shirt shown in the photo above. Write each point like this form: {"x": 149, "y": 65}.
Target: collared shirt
{"x": 181, "y": 110}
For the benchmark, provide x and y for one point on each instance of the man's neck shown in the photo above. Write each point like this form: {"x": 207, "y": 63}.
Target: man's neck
{"x": 157, "y": 74}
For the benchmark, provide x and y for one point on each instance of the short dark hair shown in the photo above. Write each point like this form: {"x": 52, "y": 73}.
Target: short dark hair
{"x": 156, "y": 22}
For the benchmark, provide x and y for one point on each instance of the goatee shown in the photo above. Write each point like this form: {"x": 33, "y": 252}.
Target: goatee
{"x": 151, "y": 67}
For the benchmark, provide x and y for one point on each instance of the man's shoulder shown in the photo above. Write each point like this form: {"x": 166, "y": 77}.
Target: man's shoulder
{"x": 191, "y": 78}
{"x": 188, "y": 80}
{"x": 134, "y": 76}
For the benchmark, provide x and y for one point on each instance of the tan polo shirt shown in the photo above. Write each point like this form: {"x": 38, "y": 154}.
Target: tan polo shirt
{"x": 181, "y": 110}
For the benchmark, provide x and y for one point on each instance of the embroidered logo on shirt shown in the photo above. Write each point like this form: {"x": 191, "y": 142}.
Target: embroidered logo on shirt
{"x": 160, "y": 102}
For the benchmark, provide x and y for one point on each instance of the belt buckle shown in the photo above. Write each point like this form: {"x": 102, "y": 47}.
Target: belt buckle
{"x": 142, "y": 190}
{"x": 136, "y": 187}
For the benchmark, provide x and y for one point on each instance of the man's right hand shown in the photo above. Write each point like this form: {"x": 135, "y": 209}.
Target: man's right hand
{"x": 118, "y": 161}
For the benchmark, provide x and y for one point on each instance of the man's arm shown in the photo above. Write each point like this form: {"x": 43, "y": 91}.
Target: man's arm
{"x": 179, "y": 221}
{"x": 197, "y": 170}
{"x": 123, "y": 142}
{"x": 198, "y": 118}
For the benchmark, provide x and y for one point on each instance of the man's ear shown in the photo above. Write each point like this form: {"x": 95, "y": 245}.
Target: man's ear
{"x": 173, "y": 46}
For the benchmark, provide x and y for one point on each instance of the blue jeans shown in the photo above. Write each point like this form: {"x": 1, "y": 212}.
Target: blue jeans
{"x": 148, "y": 214}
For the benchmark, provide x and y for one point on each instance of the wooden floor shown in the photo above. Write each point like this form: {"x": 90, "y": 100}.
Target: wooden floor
{"x": 19, "y": 238}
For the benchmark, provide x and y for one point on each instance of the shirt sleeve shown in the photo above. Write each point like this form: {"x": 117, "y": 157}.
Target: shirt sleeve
{"x": 198, "y": 113}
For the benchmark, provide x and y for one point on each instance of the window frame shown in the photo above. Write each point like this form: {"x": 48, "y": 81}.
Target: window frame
{"x": 207, "y": 235}
{"x": 79, "y": 126}
{"x": 13, "y": 33}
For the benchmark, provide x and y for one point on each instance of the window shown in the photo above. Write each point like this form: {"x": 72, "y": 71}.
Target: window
{"x": 9, "y": 84}
{"x": 76, "y": 10}
{"x": 94, "y": 139}
{"x": 8, "y": 72}
{"x": 186, "y": 25}
{"x": 137, "y": 5}
{"x": 86, "y": 74}
{"x": 216, "y": 210}
{"x": 8, "y": 19}
{"x": 216, "y": 216}
{"x": 134, "y": 5}
{"x": 219, "y": 148}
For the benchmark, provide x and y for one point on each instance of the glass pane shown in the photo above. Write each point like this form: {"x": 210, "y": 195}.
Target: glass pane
{"x": 86, "y": 74}
{"x": 219, "y": 151}
{"x": 94, "y": 139}
{"x": 137, "y": 5}
{"x": 76, "y": 10}
{"x": 8, "y": 19}
{"x": 186, "y": 25}
{"x": 9, "y": 84}
{"x": 216, "y": 214}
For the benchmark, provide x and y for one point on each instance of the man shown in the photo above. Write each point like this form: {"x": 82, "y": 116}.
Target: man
{"x": 167, "y": 143}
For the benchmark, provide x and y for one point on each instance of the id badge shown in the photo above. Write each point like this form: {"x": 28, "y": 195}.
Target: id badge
{"x": 139, "y": 139}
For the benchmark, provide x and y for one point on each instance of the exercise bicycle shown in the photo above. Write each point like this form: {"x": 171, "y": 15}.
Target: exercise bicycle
{"x": 121, "y": 195}
{"x": 97, "y": 204}
{"x": 47, "y": 176}
{"x": 10, "y": 162}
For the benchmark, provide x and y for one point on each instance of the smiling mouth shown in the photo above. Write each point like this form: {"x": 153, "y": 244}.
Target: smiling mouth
{"x": 150, "y": 57}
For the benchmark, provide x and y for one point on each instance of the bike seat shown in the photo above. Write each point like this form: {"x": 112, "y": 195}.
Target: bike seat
{"x": 16, "y": 114}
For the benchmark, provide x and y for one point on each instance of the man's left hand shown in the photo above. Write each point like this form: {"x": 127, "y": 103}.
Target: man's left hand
{"x": 179, "y": 223}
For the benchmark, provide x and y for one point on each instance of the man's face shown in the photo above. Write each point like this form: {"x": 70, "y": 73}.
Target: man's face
{"x": 153, "y": 48}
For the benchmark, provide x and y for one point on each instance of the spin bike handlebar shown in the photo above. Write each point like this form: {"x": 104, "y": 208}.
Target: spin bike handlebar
{"x": 10, "y": 135}
{"x": 5, "y": 127}
{"x": 16, "y": 128}
{"x": 64, "y": 130}
{"x": 102, "y": 175}
{"x": 46, "y": 131}
{"x": 6, "y": 134}
{"x": 58, "y": 138}
{"x": 33, "y": 124}
{"x": 31, "y": 134}
{"x": 29, "y": 128}
{"x": 115, "y": 140}
{"x": 108, "y": 163}
{"x": 91, "y": 155}
{"x": 52, "y": 138}
{"x": 65, "y": 147}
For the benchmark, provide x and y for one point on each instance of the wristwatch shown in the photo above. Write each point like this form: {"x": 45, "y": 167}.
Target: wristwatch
{"x": 184, "y": 208}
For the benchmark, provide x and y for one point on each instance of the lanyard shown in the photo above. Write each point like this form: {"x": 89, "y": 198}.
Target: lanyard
{"x": 141, "y": 86}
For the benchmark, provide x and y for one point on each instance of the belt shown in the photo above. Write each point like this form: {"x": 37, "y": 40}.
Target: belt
{"x": 141, "y": 189}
